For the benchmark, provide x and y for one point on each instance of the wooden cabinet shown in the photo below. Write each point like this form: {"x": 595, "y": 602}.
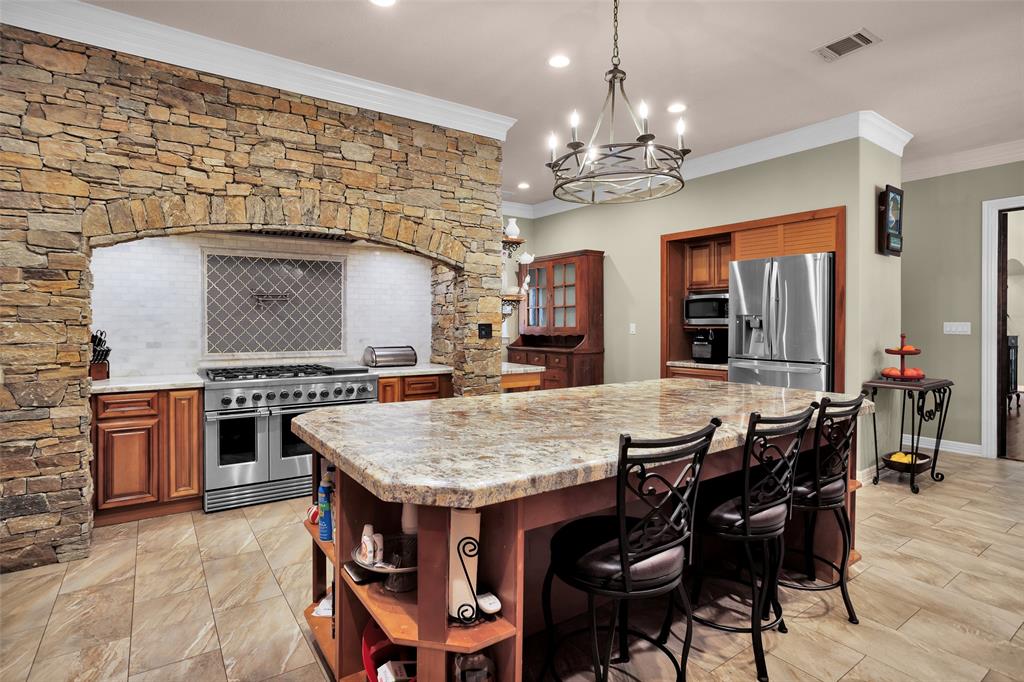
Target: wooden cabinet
{"x": 127, "y": 461}
{"x": 149, "y": 453}
{"x": 787, "y": 239}
{"x": 415, "y": 387}
{"x": 184, "y": 460}
{"x": 699, "y": 373}
{"x": 707, "y": 264}
{"x": 561, "y": 323}
{"x": 389, "y": 390}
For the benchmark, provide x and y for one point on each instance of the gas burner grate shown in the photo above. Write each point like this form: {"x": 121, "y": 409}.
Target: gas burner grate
{"x": 273, "y": 372}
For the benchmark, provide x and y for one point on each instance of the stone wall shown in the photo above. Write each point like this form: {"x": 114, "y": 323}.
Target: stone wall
{"x": 98, "y": 147}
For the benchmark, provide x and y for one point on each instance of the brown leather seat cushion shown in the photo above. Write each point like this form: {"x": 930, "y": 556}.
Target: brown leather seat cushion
{"x": 803, "y": 491}
{"x": 587, "y": 549}
{"x": 728, "y": 518}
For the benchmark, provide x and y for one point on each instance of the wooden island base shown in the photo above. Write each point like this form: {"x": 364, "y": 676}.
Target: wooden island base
{"x": 512, "y": 560}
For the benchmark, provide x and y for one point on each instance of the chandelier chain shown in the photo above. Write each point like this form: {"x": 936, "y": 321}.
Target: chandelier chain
{"x": 615, "y": 33}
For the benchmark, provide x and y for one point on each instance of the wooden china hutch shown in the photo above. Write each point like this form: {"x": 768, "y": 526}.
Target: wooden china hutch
{"x": 561, "y": 322}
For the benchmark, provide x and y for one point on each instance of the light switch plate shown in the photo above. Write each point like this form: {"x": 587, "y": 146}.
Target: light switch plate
{"x": 957, "y": 328}
{"x": 632, "y": 327}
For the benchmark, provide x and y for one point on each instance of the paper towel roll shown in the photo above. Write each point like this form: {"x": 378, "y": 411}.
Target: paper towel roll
{"x": 463, "y": 544}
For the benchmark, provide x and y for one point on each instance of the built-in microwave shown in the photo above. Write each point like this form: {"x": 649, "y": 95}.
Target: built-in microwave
{"x": 704, "y": 310}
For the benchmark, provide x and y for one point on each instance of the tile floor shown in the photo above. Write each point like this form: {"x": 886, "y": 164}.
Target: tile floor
{"x": 938, "y": 594}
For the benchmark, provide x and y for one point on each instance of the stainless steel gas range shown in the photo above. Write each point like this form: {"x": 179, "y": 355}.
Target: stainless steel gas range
{"x": 251, "y": 454}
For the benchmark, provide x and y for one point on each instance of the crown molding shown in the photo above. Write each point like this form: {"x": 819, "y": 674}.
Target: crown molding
{"x": 514, "y": 209}
{"x": 116, "y": 31}
{"x": 958, "y": 162}
{"x": 868, "y": 125}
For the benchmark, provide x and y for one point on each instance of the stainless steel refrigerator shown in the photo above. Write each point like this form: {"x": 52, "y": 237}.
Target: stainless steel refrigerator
{"x": 781, "y": 321}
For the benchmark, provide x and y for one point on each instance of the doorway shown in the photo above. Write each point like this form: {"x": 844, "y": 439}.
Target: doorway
{"x": 1010, "y": 333}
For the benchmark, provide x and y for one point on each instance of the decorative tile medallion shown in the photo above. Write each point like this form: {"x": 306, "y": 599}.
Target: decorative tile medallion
{"x": 271, "y": 305}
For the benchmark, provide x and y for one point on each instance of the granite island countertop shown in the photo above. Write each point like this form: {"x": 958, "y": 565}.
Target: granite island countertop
{"x": 471, "y": 452}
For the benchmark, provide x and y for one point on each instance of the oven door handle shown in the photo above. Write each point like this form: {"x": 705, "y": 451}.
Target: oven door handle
{"x": 274, "y": 411}
{"x": 224, "y": 416}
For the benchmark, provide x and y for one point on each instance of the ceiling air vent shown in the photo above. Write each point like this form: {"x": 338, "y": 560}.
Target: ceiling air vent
{"x": 847, "y": 44}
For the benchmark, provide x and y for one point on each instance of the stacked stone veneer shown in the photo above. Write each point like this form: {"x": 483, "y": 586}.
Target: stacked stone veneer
{"x": 99, "y": 147}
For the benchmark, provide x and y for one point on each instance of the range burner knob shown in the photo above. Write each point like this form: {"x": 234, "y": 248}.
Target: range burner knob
{"x": 297, "y": 394}
{"x": 350, "y": 390}
{"x": 311, "y": 395}
{"x": 338, "y": 391}
{"x": 271, "y": 395}
{"x": 257, "y": 396}
{"x": 325, "y": 393}
{"x": 364, "y": 388}
{"x": 225, "y": 400}
{"x": 240, "y": 400}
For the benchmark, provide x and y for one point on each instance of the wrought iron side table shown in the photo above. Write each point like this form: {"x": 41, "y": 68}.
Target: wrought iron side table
{"x": 916, "y": 393}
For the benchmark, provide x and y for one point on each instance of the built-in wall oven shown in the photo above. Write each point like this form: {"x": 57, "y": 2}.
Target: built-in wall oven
{"x": 251, "y": 454}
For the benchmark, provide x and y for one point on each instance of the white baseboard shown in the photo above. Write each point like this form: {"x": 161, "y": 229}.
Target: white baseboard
{"x": 928, "y": 444}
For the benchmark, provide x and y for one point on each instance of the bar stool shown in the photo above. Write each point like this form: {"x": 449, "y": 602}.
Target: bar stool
{"x": 823, "y": 488}
{"x": 628, "y": 557}
{"x": 758, "y": 517}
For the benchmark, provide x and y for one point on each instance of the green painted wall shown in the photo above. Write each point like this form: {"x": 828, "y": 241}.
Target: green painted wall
{"x": 942, "y": 279}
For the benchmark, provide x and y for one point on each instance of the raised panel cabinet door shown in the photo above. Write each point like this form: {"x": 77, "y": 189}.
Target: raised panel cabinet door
{"x": 184, "y": 454}
{"x": 389, "y": 390}
{"x": 127, "y": 461}
{"x": 700, "y": 265}
{"x": 421, "y": 387}
{"x": 723, "y": 254}
{"x": 760, "y": 242}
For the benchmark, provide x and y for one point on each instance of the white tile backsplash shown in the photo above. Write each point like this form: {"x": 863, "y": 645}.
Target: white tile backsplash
{"x": 148, "y": 297}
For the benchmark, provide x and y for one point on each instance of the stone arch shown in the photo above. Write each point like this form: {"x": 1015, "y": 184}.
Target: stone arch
{"x": 123, "y": 220}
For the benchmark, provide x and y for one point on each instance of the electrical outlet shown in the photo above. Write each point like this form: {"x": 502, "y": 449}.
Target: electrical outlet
{"x": 484, "y": 330}
{"x": 957, "y": 328}
{"x": 632, "y": 327}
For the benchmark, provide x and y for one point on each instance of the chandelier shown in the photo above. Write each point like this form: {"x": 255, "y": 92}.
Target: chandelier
{"x": 617, "y": 172}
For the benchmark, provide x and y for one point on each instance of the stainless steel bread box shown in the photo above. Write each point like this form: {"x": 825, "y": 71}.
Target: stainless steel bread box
{"x": 389, "y": 356}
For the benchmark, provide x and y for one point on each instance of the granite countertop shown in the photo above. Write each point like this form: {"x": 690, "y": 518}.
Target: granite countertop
{"x": 471, "y": 452}
{"x": 691, "y": 364}
{"x": 153, "y": 382}
{"x": 411, "y": 370}
{"x": 519, "y": 368}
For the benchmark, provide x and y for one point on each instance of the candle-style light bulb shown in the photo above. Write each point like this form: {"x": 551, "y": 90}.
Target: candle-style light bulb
{"x": 552, "y": 145}
{"x": 643, "y": 111}
{"x": 574, "y": 123}
{"x": 680, "y": 129}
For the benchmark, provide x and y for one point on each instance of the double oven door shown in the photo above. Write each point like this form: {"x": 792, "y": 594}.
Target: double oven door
{"x": 245, "y": 447}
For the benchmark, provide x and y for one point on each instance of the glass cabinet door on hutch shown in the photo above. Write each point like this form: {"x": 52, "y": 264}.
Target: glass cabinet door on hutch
{"x": 563, "y": 295}
{"x": 537, "y": 298}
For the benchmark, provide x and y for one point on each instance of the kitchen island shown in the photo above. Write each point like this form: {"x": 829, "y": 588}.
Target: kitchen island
{"x": 526, "y": 461}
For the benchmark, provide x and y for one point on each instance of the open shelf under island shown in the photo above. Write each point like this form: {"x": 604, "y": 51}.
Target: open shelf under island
{"x": 527, "y": 462}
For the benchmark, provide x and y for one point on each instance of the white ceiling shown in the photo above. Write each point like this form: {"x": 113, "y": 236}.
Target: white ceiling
{"x": 952, "y": 73}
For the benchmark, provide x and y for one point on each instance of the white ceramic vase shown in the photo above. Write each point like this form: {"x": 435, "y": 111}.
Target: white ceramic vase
{"x": 512, "y": 230}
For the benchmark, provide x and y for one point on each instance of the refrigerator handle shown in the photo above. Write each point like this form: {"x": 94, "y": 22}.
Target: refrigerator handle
{"x": 766, "y": 310}
{"x": 776, "y": 307}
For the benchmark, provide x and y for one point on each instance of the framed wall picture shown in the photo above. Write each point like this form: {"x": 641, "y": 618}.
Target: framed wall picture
{"x": 890, "y": 221}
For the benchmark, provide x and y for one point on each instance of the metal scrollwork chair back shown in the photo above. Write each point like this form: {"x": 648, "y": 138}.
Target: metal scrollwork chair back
{"x": 833, "y": 441}
{"x": 773, "y": 445}
{"x": 669, "y": 505}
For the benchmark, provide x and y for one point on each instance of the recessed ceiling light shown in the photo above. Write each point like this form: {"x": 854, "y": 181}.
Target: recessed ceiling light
{"x": 523, "y": 185}
{"x": 676, "y": 108}
{"x": 383, "y": 3}
{"x": 558, "y": 61}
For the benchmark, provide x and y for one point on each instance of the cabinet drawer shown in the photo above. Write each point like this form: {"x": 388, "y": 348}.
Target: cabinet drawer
{"x": 421, "y": 387}
{"x": 518, "y": 356}
{"x": 536, "y": 359}
{"x": 116, "y": 405}
{"x": 555, "y": 378}
{"x": 699, "y": 373}
{"x": 557, "y": 360}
